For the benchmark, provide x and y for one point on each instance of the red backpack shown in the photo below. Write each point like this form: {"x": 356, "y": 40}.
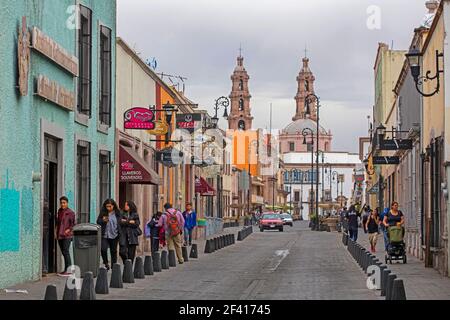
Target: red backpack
{"x": 173, "y": 223}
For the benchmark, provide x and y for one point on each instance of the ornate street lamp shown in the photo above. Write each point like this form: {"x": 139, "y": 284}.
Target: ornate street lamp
{"x": 220, "y": 102}
{"x": 414, "y": 56}
{"x": 305, "y": 133}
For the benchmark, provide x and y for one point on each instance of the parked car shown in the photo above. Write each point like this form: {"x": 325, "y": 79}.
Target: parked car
{"x": 271, "y": 221}
{"x": 287, "y": 219}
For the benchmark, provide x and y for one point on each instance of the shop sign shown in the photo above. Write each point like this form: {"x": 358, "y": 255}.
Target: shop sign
{"x": 23, "y": 56}
{"x": 169, "y": 157}
{"x": 139, "y": 118}
{"x": 189, "y": 121}
{"x": 52, "y": 91}
{"x": 52, "y": 50}
{"x": 161, "y": 128}
{"x": 386, "y": 160}
{"x": 396, "y": 144}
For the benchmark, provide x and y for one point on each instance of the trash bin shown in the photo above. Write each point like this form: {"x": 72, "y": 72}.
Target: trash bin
{"x": 87, "y": 246}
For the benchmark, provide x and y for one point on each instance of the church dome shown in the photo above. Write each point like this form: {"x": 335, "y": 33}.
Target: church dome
{"x": 297, "y": 127}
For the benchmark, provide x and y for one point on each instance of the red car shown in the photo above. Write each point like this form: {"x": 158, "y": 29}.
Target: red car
{"x": 271, "y": 221}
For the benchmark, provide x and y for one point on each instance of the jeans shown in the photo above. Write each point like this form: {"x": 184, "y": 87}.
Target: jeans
{"x": 385, "y": 237}
{"x": 128, "y": 252}
{"x": 155, "y": 244}
{"x": 110, "y": 244}
{"x": 188, "y": 235}
{"x": 353, "y": 233}
{"x": 64, "y": 245}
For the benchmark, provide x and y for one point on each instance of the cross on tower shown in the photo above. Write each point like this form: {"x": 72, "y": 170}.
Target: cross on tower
{"x": 306, "y": 51}
{"x": 240, "y": 50}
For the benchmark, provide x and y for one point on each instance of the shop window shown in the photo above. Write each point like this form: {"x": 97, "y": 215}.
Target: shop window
{"x": 83, "y": 181}
{"x": 85, "y": 62}
{"x": 105, "y": 76}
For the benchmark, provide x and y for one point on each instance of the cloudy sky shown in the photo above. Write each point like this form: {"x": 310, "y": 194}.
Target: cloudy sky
{"x": 200, "y": 39}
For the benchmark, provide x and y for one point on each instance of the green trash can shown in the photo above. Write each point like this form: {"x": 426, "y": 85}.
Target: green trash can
{"x": 86, "y": 247}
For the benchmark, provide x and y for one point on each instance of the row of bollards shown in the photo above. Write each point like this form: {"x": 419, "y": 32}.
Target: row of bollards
{"x": 244, "y": 233}
{"x": 218, "y": 243}
{"x": 230, "y": 224}
{"x": 391, "y": 288}
{"x": 142, "y": 267}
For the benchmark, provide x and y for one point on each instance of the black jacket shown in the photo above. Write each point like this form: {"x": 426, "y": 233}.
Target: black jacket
{"x": 103, "y": 224}
{"x": 130, "y": 232}
{"x": 154, "y": 229}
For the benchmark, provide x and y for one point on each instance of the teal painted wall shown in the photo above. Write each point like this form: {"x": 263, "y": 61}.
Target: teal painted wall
{"x": 20, "y": 129}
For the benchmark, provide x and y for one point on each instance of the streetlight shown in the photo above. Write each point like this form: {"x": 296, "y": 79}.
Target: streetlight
{"x": 305, "y": 133}
{"x": 323, "y": 159}
{"x": 414, "y": 56}
{"x": 308, "y": 100}
{"x": 220, "y": 102}
{"x": 334, "y": 176}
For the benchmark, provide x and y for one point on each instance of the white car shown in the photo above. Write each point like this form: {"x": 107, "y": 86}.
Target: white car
{"x": 287, "y": 219}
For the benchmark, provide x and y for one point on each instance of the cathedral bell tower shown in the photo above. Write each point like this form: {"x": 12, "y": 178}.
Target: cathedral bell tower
{"x": 305, "y": 80}
{"x": 240, "y": 117}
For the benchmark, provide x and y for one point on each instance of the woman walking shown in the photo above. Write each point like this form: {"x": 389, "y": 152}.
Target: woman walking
{"x": 108, "y": 219}
{"x": 130, "y": 232}
{"x": 372, "y": 229}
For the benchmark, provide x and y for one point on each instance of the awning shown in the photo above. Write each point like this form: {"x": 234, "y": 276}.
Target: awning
{"x": 203, "y": 187}
{"x": 133, "y": 169}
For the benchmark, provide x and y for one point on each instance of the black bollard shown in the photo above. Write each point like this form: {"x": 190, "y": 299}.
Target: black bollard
{"x": 70, "y": 293}
{"x": 216, "y": 244}
{"x": 208, "y": 246}
{"x": 194, "y": 253}
{"x": 239, "y": 237}
{"x": 233, "y": 238}
{"x": 398, "y": 290}
{"x": 101, "y": 285}
{"x": 384, "y": 278}
{"x": 50, "y": 292}
{"x": 128, "y": 276}
{"x": 220, "y": 240}
{"x": 116, "y": 277}
{"x": 148, "y": 266}
{"x": 390, "y": 286}
{"x": 164, "y": 260}
{"x": 157, "y": 265}
{"x": 172, "y": 260}
{"x": 185, "y": 253}
{"x": 87, "y": 288}
{"x": 139, "y": 269}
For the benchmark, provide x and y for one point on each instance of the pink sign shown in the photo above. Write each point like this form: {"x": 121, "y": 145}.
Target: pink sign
{"x": 139, "y": 118}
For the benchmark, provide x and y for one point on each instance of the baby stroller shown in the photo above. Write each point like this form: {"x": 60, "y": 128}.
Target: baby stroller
{"x": 396, "y": 247}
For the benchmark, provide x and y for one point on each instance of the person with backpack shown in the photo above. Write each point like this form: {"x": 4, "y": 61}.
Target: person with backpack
{"x": 190, "y": 218}
{"x": 172, "y": 223}
{"x": 155, "y": 231}
{"x": 130, "y": 232}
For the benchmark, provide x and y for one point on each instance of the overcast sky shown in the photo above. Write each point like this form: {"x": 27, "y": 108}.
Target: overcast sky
{"x": 199, "y": 40}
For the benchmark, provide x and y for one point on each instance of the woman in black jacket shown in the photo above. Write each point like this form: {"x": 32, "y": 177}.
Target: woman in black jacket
{"x": 109, "y": 219}
{"x": 154, "y": 231}
{"x": 130, "y": 231}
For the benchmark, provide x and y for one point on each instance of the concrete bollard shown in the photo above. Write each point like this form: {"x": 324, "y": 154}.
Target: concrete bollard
{"x": 139, "y": 268}
{"x": 172, "y": 260}
{"x": 384, "y": 278}
{"x": 87, "y": 288}
{"x": 220, "y": 239}
{"x": 185, "y": 253}
{"x": 116, "y": 277}
{"x": 164, "y": 260}
{"x": 127, "y": 276}
{"x": 366, "y": 261}
{"x": 233, "y": 238}
{"x": 194, "y": 252}
{"x": 148, "y": 266}
{"x": 50, "y": 292}
{"x": 70, "y": 294}
{"x": 390, "y": 286}
{"x": 239, "y": 237}
{"x": 101, "y": 285}
{"x": 216, "y": 244}
{"x": 157, "y": 266}
{"x": 208, "y": 245}
{"x": 398, "y": 290}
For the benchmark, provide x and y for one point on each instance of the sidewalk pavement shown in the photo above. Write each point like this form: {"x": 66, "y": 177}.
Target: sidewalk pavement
{"x": 420, "y": 283}
{"x": 36, "y": 289}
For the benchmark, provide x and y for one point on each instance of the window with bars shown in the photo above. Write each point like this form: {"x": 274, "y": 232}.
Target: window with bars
{"x": 296, "y": 196}
{"x": 105, "y": 76}
{"x": 85, "y": 62}
{"x": 83, "y": 181}
{"x": 104, "y": 176}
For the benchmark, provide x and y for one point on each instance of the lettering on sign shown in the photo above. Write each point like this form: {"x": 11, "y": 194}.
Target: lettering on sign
{"x": 52, "y": 50}
{"x": 53, "y": 92}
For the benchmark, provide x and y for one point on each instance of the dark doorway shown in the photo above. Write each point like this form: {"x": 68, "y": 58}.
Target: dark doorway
{"x": 50, "y": 179}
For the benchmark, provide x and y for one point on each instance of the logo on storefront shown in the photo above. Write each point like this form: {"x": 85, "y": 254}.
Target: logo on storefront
{"x": 189, "y": 121}
{"x": 139, "y": 118}
{"x": 127, "y": 166}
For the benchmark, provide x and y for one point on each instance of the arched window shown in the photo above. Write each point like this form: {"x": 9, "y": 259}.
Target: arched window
{"x": 241, "y": 125}
{"x": 241, "y": 84}
{"x": 241, "y": 104}
{"x": 307, "y": 85}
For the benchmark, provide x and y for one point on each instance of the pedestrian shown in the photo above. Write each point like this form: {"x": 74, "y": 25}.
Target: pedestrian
{"x": 384, "y": 229}
{"x": 64, "y": 232}
{"x": 173, "y": 224}
{"x": 365, "y": 217}
{"x": 190, "y": 218}
{"x": 352, "y": 220}
{"x": 394, "y": 218}
{"x": 129, "y": 232}
{"x": 108, "y": 219}
{"x": 154, "y": 231}
{"x": 372, "y": 229}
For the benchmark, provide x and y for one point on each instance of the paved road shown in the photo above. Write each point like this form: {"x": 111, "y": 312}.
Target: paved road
{"x": 295, "y": 264}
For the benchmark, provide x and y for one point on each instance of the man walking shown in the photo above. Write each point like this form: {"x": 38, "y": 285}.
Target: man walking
{"x": 190, "y": 219}
{"x": 64, "y": 232}
{"x": 173, "y": 223}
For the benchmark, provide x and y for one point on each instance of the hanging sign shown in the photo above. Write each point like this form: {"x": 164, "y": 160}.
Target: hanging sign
{"x": 396, "y": 144}
{"x": 190, "y": 121}
{"x": 139, "y": 118}
{"x": 386, "y": 160}
{"x": 169, "y": 157}
{"x": 161, "y": 128}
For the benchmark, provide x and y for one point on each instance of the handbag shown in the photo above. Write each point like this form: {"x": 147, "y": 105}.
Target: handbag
{"x": 138, "y": 231}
